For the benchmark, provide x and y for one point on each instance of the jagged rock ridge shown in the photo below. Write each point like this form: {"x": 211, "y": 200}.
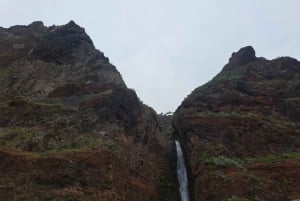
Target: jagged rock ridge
{"x": 43, "y": 60}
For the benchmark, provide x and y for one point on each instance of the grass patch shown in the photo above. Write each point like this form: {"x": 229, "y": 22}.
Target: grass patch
{"x": 67, "y": 140}
{"x": 284, "y": 124}
{"x": 272, "y": 158}
{"x": 3, "y": 105}
{"x": 22, "y": 101}
{"x": 79, "y": 143}
{"x": 222, "y": 175}
{"x": 15, "y": 137}
{"x": 228, "y": 114}
{"x": 222, "y": 161}
{"x": 233, "y": 74}
{"x": 5, "y": 73}
{"x": 49, "y": 106}
{"x": 238, "y": 198}
{"x": 235, "y": 198}
{"x": 107, "y": 92}
{"x": 111, "y": 146}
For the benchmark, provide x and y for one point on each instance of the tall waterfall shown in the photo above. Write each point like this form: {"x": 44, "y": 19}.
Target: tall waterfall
{"x": 182, "y": 174}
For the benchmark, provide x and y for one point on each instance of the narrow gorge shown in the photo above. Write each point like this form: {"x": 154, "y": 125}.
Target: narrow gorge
{"x": 70, "y": 128}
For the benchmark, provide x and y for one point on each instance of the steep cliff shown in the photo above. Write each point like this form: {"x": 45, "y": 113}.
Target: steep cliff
{"x": 242, "y": 130}
{"x": 70, "y": 129}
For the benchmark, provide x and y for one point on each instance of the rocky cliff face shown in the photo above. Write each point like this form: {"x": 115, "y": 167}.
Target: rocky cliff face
{"x": 70, "y": 129}
{"x": 242, "y": 130}
{"x": 57, "y": 61}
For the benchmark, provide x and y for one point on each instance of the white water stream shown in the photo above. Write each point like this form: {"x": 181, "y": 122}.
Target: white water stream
{"x": 182, "y": 174}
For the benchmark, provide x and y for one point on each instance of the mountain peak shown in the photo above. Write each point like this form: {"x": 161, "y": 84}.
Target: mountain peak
{"x": 72, "y": 27}
{"x": 67, "y": 43}
{"x": 243, "y": 56}
{"x": 79, "y": 67}
{"x": 72, "y": 23}
{"x": 37, "y": 24}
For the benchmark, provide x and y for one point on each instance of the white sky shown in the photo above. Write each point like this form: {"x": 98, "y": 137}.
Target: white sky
{"x": 166, "y": 48}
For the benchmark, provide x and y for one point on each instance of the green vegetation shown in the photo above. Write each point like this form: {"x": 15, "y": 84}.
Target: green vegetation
{"x": 5, "y": 73}
{"x": 29, "y": 139}
{"x": 222, "y": 161}
{"x": 19, "y": 100}
{"x": 235, "y": 198}
{"x": 228, "y": 114}
{"x": 222, "y": 175}
{"x": 3, "y": 105}
{"x": 254, "y": 178}
{"x": 111, "y": 147}
{"x": 272, "y": 158}
{"x": 238, "y": 198}
{"x": 52, "y": 106}
{"x": 283, "y": 124}
{"x": 35, "y": 104}
{"x": 202, "y": 89}
{"x": 78, "y": 143}
{"x": 277, "y": 86}
{"x": 234, "y": 74}
{"x": 15, "y": 137}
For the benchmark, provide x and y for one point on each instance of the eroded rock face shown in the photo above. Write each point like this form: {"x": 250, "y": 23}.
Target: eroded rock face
{"x": 40, "y": 61}
{"x": 249, "y": 110}
{"x": 17, "y": 41}
{"x": 60, "y": 94}
{"x": 67, "y": 44}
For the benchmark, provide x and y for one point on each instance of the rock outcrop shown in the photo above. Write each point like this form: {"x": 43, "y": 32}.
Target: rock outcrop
{"x": 242, "y": 130}
{"x": 242, "y": 57}
{"x": 70, "y": 129}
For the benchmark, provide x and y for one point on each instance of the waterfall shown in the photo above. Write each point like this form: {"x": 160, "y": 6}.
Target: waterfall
{"x": 181, "y": 174}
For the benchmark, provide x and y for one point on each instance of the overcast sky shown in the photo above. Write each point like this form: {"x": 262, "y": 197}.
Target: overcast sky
{"x": 166, "y": 48}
